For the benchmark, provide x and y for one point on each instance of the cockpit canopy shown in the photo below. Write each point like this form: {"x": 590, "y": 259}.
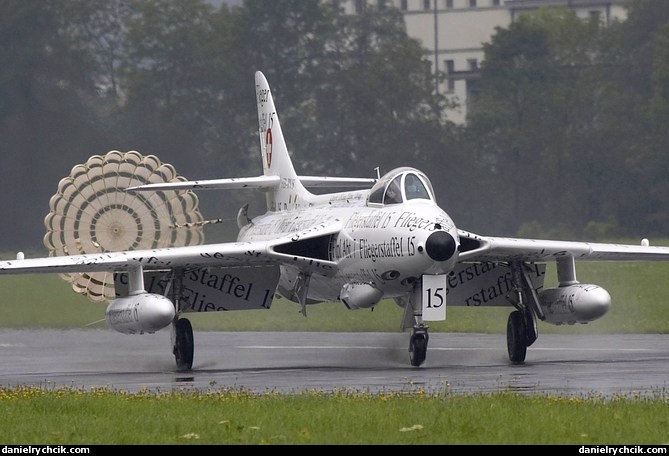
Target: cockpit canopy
{"x": 400, "y": 185}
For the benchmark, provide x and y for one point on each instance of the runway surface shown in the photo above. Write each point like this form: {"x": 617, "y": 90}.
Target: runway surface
{"x": 571, "y": 365}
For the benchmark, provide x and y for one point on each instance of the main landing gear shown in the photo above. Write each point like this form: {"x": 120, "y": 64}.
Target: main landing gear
{"x": 521, "y": 328}
{"x": 183, "y": 344}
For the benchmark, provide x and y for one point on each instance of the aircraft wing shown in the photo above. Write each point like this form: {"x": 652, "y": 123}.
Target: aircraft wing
{"x": 490, "y": 248}
{"x": 230, "y": 254}
{"x": 233, "y": 254}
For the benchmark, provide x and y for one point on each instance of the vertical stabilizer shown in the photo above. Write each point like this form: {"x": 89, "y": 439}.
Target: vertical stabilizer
{"x": 290, "y": 194}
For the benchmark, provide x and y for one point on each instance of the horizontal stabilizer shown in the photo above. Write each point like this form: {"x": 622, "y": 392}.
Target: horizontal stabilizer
{"x": 254, "y": 182}
{"x": 212, "y": 184}
{"x": 316, "y": 181}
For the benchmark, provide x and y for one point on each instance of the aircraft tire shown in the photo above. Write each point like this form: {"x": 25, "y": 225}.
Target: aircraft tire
{"x": 516, "y": 337}
{"x": 418, "y": 349}
{"x": 184, "y": 345}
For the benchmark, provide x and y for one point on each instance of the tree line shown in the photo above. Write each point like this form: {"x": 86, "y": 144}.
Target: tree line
{"x": 566, "y": 137}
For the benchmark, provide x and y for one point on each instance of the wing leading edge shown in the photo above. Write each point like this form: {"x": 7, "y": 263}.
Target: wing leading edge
{"x": 491, "y": 248}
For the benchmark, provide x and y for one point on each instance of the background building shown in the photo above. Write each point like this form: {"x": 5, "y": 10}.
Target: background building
{"x": 454, "y": 32}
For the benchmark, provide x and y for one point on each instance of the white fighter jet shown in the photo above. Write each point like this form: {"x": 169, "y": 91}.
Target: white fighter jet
{"x": 384, "y": 238}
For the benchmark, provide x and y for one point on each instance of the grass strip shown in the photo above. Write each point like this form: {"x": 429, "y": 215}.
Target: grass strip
{"x": 33, "y": 415}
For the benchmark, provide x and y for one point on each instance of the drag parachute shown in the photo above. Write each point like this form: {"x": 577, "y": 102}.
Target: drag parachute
{"x": 91, "y": 213}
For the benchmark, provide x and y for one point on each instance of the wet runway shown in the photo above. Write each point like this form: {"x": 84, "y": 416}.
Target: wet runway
{"x": 573, "y": 365}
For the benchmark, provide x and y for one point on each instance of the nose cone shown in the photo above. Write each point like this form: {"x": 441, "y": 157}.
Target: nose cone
{"x": 156, "y": 312}
{"x": 440, "y": 246}
{"x": 594, "y": 302}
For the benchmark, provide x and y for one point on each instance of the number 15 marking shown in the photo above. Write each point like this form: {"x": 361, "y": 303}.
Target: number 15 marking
{"x": 434, "y": 297}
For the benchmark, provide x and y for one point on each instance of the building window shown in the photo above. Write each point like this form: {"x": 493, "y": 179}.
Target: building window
{"x": 403, "y": 5}
{"x": 426, "y": 4}
{"x": 473, "y": 64}
{"x": 495, "y": 2}
{"x": 449, "y": 3}
{"x": 472, "y": 3}
{"x": 450, "y": 69}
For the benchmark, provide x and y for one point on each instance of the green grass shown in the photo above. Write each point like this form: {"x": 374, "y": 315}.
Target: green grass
{"x": 72, "y": 417}
{"x": 43, "y": 416}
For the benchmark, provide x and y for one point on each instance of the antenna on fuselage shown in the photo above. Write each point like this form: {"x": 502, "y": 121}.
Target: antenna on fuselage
{"x": 378, "y": 172}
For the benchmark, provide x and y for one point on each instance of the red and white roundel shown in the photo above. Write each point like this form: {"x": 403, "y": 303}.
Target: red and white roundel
{"x": 268, "y": 147}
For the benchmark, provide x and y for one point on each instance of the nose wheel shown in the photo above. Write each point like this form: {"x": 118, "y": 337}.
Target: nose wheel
{"x": 418, "y": 345}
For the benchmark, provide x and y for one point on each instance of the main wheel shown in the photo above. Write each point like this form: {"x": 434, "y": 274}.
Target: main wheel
{"x": 418, "y": 349}
{"x": 516, "y": 337}
{"x": 184, "y": 344}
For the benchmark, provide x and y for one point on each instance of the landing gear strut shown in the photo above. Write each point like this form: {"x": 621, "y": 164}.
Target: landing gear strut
{"x": 521, "y": 328}
{"x": 413, "y": 318}
{"x": 183, "y": 344}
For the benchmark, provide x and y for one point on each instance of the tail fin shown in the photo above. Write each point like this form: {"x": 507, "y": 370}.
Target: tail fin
{"x": 290, "y": 194}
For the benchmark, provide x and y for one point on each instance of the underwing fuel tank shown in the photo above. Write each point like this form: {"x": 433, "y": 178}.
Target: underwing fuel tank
{"x": 140, "y": 313}
{"x": 358, "y": 295}
{"x": 577, "y": 303}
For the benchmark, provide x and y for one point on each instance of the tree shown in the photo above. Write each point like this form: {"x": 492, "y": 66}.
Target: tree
{"x": 533, "y": 119}
{"x": 46, "y": 116}
{"x": 174, "y": 79}
{"x": 168, "y": 81}
{"x": 376, "y": 105}
{"x": 98, "y": 27}
{"x": 633, "y": 118}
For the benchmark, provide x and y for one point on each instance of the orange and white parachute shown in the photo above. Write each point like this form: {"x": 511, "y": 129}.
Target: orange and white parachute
{"x": 91, "y": 213}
